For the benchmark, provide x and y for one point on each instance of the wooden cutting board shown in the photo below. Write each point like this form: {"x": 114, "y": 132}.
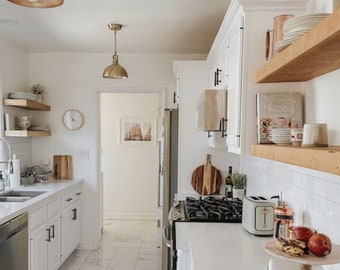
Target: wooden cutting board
{"x": 63, "y": 167}
{"x": 206, "y": 179}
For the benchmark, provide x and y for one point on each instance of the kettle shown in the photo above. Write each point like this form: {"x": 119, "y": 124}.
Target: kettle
{"x": 283, "y": 220}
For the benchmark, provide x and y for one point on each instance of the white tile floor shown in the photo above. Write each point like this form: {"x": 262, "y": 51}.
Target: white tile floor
{"x": 125, "y": 245}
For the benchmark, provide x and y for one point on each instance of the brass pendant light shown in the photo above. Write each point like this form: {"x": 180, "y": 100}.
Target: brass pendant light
{"x": 38, "y": 3}
{"x": 115, "y": 71}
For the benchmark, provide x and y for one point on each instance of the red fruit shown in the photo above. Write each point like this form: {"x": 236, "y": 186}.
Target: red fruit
{"x": 302, "y": 233}
{"x": 320, "y": 244}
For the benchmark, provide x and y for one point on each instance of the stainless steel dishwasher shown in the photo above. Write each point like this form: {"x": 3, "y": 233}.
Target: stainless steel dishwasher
{"x": 14, "y": 244}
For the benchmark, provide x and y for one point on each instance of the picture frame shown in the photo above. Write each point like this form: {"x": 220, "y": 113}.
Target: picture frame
{"x": 138, "y": 131}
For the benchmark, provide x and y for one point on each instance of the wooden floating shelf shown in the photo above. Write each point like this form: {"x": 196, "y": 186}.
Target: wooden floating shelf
{"x": 27, "y": 133}
{"x": 317, "y": 52}
{"x": 27, "y": 104}
{"x": 326, "y": 159}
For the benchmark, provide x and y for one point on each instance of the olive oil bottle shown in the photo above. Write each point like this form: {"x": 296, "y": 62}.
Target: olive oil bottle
{"x": 229, "y": 183}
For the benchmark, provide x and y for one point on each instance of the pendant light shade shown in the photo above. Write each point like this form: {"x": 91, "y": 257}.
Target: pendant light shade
{"x": 38, "y": 3}
{"x": 115, "y": 71}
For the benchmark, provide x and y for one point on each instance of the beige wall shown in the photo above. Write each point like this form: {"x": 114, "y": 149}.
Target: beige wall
{"x": 130, "y": 173}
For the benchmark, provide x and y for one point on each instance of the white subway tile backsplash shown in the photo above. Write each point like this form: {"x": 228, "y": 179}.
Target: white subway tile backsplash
{"x": 333, "y": 192}
{"x": 315, "y": 194}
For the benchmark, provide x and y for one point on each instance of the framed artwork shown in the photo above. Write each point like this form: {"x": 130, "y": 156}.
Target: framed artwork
{"x": 138, "y": 131}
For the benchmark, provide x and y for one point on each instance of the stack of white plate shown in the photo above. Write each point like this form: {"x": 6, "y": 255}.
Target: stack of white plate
{"x": 22, "y": 95}
{"x": 296, "y": 27}
{"x": 280, "y": 135}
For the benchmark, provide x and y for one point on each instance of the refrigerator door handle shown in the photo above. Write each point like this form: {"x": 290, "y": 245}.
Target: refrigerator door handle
{"x": 166, "y": 240}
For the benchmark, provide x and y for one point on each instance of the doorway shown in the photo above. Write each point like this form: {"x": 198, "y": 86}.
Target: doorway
{"x": 129, "y": 172}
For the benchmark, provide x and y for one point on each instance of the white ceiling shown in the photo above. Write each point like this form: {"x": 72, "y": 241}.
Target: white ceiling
{"x": 149, "y": 26}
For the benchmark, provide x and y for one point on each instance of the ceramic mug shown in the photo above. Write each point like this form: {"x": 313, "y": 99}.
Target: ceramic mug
{"x": 296, "y": 135}
{"x": 315, "y": 135}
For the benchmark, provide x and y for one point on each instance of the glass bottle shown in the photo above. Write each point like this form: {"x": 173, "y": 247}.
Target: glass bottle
{"x": 2, "y": 182}
{"x": 229, "y": 183}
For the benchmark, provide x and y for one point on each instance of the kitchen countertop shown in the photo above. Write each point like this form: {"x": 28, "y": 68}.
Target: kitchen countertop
{"x": 222, "y": 246}
{"x": 54, "y": 189}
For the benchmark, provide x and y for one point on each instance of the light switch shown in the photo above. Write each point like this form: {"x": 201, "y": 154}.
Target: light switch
{"x": 84, "y": 154}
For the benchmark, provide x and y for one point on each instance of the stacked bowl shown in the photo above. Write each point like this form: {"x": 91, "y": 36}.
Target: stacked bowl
{"x": 280, "y": 135}
{"x": 296, "y": 27}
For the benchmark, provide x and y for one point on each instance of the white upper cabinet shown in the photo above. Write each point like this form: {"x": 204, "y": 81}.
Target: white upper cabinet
{"x": 235, "y": 60}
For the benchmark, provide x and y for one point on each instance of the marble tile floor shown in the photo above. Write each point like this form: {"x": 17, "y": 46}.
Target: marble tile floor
{"x": 125, "y": 245}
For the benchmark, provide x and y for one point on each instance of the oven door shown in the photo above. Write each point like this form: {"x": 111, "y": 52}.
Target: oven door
{"x": 168, "y": 251}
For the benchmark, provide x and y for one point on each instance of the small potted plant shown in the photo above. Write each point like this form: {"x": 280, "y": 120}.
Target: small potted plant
{"x": 239, "y": 184}
{"x": 38, "y": 90}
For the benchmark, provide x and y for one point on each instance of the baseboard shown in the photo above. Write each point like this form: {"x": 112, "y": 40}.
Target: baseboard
{"x": 137, "y": 216}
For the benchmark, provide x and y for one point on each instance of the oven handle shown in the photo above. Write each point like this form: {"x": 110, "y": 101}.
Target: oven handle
{"x": 167, "y": 241}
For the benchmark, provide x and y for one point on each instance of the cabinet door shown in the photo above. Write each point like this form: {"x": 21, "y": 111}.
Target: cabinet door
{"x": 70, "y": 229}
{"x": 54, "y": 242}
{"x": 235, "y": 59}
{"x": 38, "y": 248}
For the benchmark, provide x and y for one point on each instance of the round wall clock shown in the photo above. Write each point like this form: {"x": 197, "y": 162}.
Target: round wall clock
{"x": 73, "y": 119}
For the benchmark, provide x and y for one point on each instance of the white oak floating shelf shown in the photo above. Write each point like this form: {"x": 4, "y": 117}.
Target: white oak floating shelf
{"x": 27, "y": 133}
{"x": 325, "y": 159}
{"x": 317, "y": 52}
{"x": 26, "y": 104}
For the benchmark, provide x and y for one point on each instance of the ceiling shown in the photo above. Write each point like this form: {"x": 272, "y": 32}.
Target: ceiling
{"x": 149, "y": 26}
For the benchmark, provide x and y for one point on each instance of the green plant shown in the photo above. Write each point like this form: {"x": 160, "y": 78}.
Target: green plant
{"x": 37, "y": 89}
{"x": 239, "y": 180}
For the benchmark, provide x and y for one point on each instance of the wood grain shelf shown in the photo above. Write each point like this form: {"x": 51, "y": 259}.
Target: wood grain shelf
{"x": 326, "y": 159}
{"x": 315, "y": 53}
{"x": 27, "y": 104}
{"x": 27, "y": 133}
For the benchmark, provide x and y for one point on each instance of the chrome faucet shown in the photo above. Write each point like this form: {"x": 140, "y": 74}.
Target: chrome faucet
{"x": 10, "y": 160}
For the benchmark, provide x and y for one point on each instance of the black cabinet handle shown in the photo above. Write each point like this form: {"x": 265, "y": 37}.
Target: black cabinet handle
{"x": 224, "y": 127}
{"x": 218, "y": 81}
{"x": 78, "y": 193}
{"x": 74, "y": 214}
{"x": 48, "y": 233}
{"x": 69, "y": 199}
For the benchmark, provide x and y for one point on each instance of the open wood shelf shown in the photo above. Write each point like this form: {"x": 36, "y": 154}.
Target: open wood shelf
{"x": 326, "y": 159}
{"x": 27, "y": 133}
{"x": 315, "y": 53}
{"x": 26, "y": 104}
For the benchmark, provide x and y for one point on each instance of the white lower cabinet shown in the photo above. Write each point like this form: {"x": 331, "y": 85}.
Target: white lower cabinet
{"x": 54, "y": 231}
{"x": 70, "y": 223}
{"x": 45, "y": 237}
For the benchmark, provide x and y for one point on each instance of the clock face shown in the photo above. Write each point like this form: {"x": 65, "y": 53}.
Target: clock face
{"x": 73, "y": 119}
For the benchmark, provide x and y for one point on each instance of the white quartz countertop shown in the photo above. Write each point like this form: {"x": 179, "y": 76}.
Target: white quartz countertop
{"x": 9, "y": 210}
{"x": 222, "y": 246}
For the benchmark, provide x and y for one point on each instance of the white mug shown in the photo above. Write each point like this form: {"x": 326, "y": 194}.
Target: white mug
{"x": 315, "y": 135}
{"x": 296, "y": 135}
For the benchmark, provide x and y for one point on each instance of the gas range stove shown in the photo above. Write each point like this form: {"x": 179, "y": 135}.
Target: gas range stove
{"x": 208, "y": 209}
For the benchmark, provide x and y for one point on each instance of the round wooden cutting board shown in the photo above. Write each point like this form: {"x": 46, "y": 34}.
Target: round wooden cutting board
{"x": 206, "y": 179}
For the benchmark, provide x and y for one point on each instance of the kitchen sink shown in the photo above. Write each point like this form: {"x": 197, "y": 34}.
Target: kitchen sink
{"x": 19, "y": 195}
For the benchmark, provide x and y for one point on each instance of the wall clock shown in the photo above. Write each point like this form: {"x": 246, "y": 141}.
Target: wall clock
{"x": 73, "y": 119}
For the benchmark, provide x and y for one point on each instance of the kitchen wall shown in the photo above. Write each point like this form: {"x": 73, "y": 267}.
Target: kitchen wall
{"x": 75, "y": 80}
{"x": 129, "y": 172}
{"x": 14, "y": 73}
{"x": 312, "y": 194}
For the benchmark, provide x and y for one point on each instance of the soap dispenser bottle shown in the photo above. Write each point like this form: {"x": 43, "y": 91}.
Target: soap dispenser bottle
{"x": 2, "y": 182}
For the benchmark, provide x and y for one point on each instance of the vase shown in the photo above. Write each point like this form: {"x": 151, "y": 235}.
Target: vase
{"x": 39, "y": 98}
{"x": 238, "y": 193}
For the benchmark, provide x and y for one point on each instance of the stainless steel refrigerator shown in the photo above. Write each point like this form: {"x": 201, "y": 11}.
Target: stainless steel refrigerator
{"x": 168, "y": 171}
